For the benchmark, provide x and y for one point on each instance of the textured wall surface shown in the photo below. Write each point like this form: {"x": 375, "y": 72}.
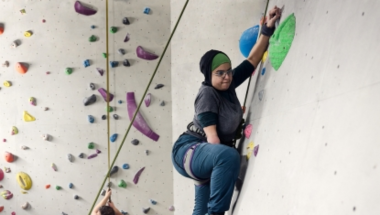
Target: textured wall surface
{"x": 60, "y": 42}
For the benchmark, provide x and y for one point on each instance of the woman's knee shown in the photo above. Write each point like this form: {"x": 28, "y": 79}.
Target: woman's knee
{"x": 229, "y": 156}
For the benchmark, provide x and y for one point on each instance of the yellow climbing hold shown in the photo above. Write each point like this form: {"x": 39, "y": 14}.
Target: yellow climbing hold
{"x": 265, "y": 56}
{"x": 27, "y": 34}
{"x": 28, "y": 117}
{"x": 7, "y": 83}
{"x": 14, "y": 130}
{"x": 24, "y": 180}
{"x": 250, "y": 147}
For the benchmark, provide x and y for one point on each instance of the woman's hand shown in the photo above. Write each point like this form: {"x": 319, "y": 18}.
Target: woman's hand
{"x": 214, "y": 139}
{"x": 274, "y": 15}
{"x": 211, "y": 134}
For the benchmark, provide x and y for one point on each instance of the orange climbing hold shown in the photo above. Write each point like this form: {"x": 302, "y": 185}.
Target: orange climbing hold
{"x": 1, "y": 208}
{"x": 21, "y": 68}
{"x": 47, "y": 186}
{"x": 1, "y": 30}
{"x": 9, "y": 157}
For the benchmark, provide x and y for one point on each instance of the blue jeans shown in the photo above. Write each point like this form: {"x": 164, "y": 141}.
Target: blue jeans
{"x": 216, "y": 162}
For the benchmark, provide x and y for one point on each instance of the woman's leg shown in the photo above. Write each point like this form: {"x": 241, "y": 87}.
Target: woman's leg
{"x": 202, "y": 196}
{"x": 220, "y": 164}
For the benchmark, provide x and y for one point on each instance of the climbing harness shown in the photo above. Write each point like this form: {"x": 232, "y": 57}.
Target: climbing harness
{"x": 187, "y": 159}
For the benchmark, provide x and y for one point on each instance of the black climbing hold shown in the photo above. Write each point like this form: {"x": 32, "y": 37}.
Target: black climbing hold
{"x": 90, "y": 100}
{"x": 109, "y": 184}
{"x": 146, "y": 210}
{"x": 81, "y": 155}
{"x": 126, "y": 21}
{"x": 126, "y": 63}
{"x": 162, "y": 103}
{"x": 76, "y": 197}
{"x": 114, "y": 170}
{"x": 121, "y": 51}
{"x": 103, "y": 192}
{"x": 104, "y": 117}
{"x": 158, "y": 86}
{"x": 115, "y": 116}
{"x": 92, "y": 86}
{"x": 135, "y": 142}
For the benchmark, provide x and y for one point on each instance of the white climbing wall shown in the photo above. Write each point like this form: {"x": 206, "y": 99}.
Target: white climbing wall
{"x": 317, "y": 124}
{"x": 60, "y": 42}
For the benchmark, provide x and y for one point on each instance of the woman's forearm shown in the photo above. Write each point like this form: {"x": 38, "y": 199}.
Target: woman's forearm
{"x": 211, "y": 134}
{"x": 258, "y": 50}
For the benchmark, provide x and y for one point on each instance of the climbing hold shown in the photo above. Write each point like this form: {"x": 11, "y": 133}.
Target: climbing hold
{"x": 54, "y": 167}
{"x": 147, "y": 152}
{"x": 9, "y": 157}
{"x": 158, "y": 86}
{"x": 122, "y": 184}
{"x": 113, "y": 137}
{"x": 4, "y": 140}
{"x": 121, "y": 51}
{"x": 114, "y": 64}
{"x": 98, "y": 151}
{"x": 46, "y": 109}
{"x": 92, "y": 38}
{"x": 250, "y": 149}
{"x": 126, "y": 21}
{"x": 84, "y": 10}
{"x": 91, "y": 119}
{"x": 143, "y": 54}
{"x": 265, "y": 56}
{"x": 58, "y": 187}
{"x": 109, "y": 184}
{"x": 23, "y": 192}
{"x": 69, "y": 71}
{"x": 92, "y": 86}
{"x": 137, "y": 176}
{"x": 139, "y": 123}
{"x": 7, "y": 83}
{"x": 93, "y": 26}
{"x": 1, "y": 208}
{"x": 148, "y": 99}
{"x": 248, "y": 40}
{"x": 256, "y": 150}
{"x": 25, "y": 206}
{"x": 145, "y": 210}
{"x": 28, "y": 34}
{"x": 263, "y": 71}
{"x": 2, "y": 29}
{"x": 71, "y": 185}
{"x": 120, "y": 102}
{"x": 7, "y": 169}
{"x": 46, "y": 137}
{"x": 127, "y": 38}
{"x": 171, "y": 208}
{"x": 24, "y": 180}
{"x": 86, "y": 63}
{"x": 248, "y": 130}
{"x": 101, "y": 71}
{"x": 126, "y": 63}
{"x": 104, "y": 93}
{"x": 14, "y": 44}
{"x": 90, "y": 100}
{"x": 104, "y": 55}
{"x": 33, "y": 101}
{"x": 124, "y": 212}
{"x": 92, "y": 156}
{"x": 281, "y": 41}
{"x": 104, "y": 117}
{"x": 63, "y": 213}
{"x": 110, "y": 109}
{"x": 153, "y": 202}
{"x": 70, "y": 157}
{"x": 162, "y": 103}
{"x": 28, "y": 118}
{"x": 24, "y": 147}
{"x": 14, "y": 130}
{"x": 146, "y": 10}
{"x": 1, "y": 174}
{"x": 21, "y": 68}
{"x": 76, "y": 197}
{"x": 13, "y": 213}
{"x": 91, "y": 145}
{"x": 135, "y": 142}
{"x": 113, "y": 29}
{"x": 47, "y": 186}
{"x": 125, "y": 166}
{"x": 114, "y": 170}
{"x": 43, "y": 20}
{"x": 6, "y": 194}
{"x": 115, "y": 116}
{"x": 261, "y": 94}
{"x": 81, "y": 155}
{"x": 5, "y": 64}
{"x": 103, "y": 193}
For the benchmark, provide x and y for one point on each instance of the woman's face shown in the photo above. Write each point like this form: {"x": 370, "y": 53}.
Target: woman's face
{"x": 221, "y": 77}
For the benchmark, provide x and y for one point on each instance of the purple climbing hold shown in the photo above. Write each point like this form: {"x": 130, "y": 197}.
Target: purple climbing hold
{"x": 158, "y": 86}
{"x": 141, "y": 53}
{"x": 98, "y": 151}
{"x": 127, "y": 38}
{"x": 92, "y": 156}
{"x": 148, "y": 99}
{"x": 1, "y": 174}
{"x": 256, "y": 150}
{"x": 139, "y": 122}
{"x": 104, "y": 93}
{"x": 84, "y": 10}
{"x": 101, "y": 71}
{"x": 114, "y": 170}
{"x": 90, "y": 100}
{"x": 137, "y": 176}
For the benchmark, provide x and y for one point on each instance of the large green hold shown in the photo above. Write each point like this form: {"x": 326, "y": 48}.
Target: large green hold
{"x": 281, "y": 41}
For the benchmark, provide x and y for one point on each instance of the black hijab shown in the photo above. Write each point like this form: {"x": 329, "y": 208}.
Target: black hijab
{"x": 205, "y": 65}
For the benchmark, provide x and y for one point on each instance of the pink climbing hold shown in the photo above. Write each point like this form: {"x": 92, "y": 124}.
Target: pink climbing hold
{"x": 13, "y": 213}
{"x": 92, "y": 156}
{"x": 137, "y": 176}
{"x": 143, "y": 54}
{"x": 1, "y": 174}
{"x": 248, "y": 130}
{"x": 104, "y": 93}
{"x": 148, "y": 99}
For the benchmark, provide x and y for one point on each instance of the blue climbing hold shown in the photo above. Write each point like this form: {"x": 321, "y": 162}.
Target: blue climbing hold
{"x": 120, "y": 101}
{"x": 263, "y": 71}
{"x": 114, "y": 64}
{"x": 153, "y": 202}
{"x": 125, "y": 166}
{"x": 124, "y": 212}
{"x": 147, "y": 10}
{"x": 93, "y": 26}
{"x": 71, "y": 185}
{"x": 86, "y": 63}
{"x": 113, "y": 138}
{"x": 248, "y": 40}
{"x": 91, "y": 119}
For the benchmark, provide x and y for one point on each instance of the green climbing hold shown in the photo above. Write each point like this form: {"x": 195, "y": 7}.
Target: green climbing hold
{"x": 110, "y": 109}
{"x": 92, "y": 38}
{"x": 113, "y": 29}
{"x": 91, "y": 145}
{"x": 122, "y": 184}
{"x": 281, "y": 41}
{"x": 69, "y": 71}
{"x": 58, "y": 187}
{"x": 104, "y": 55}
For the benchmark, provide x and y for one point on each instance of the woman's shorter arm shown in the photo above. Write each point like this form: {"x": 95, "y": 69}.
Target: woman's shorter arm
{"x": 211, "y": 134}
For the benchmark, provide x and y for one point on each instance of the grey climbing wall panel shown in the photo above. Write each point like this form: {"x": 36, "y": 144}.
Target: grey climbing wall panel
{"x": 60, "y": 42}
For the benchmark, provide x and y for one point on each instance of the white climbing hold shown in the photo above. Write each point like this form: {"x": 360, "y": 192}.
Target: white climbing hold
{"x": 70, "y": 157}
{"x": 25, "y": 206}
{"x": 5, "y": 64}
{"x": 261, "y": 95}
{"x": 24, "y": 147}
{"x": 171, "y": 208}
{"x": 46, "y": 137}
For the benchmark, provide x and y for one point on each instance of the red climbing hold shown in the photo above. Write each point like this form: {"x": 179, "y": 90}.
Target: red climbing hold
{"x": 1, "y": 208}
{"x": 1, "y": 30}
{"x": 21, "y": 68}
{"x": 248, "y": 131}
{"x": 1, "y": 174}
{"x": 9, "y": 157}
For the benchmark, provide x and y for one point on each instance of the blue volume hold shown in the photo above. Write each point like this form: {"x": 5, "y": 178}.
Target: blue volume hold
{"x": 248, "y": 40}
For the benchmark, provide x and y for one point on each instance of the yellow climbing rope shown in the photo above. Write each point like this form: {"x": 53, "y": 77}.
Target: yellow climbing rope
{"x": 140, "y": 103}
{"x": 108, "y": 91}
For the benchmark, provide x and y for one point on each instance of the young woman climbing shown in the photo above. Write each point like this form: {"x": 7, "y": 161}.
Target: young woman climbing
{"x": 102, "y": 209}
{"x": 205, "y": 152}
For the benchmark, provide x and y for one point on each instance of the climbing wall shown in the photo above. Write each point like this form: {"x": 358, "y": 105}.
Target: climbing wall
{"x": 314, "y": 120}
{"x": 52, "y": 41}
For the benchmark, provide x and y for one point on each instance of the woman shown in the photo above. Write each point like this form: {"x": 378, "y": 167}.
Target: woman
{"x": 205, "y": 151}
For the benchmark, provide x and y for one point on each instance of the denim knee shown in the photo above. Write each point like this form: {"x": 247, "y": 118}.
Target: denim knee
{"x": 230, "y": 157}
